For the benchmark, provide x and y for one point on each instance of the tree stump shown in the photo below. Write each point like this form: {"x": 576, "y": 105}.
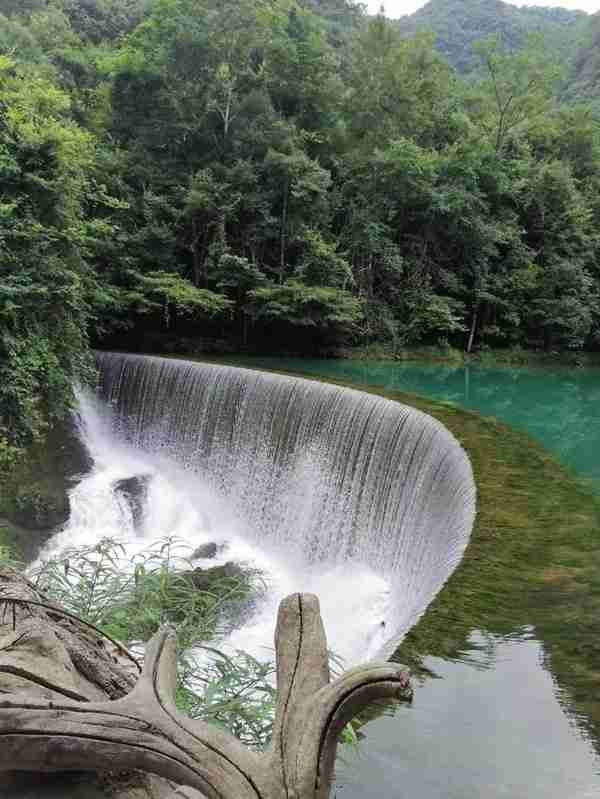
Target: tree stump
{"x": 50, "y": 722}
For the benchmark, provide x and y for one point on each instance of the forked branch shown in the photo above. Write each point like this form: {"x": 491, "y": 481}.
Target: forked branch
{"x": 143, "y": 730}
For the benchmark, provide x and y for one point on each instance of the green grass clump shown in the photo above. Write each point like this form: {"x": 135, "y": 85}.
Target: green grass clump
{"x": 128, "y": 599}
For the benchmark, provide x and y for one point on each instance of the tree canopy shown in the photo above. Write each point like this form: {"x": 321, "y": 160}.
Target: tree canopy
{"x": 291, "y": 176}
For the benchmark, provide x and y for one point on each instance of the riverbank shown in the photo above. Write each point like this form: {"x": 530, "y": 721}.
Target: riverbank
{"x": 208, "y": 349}
{"x": 510, "y": 356}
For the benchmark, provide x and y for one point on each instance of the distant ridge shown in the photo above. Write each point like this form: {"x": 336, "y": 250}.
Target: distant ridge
{"x": 585, "y": 78}
{"x": 458, "y": 24}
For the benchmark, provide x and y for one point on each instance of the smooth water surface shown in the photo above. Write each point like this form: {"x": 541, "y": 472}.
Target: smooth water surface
{"x": 488, "y": 729}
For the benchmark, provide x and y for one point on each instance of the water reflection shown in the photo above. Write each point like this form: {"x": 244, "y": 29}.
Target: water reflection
{"x": 493, "y": 727}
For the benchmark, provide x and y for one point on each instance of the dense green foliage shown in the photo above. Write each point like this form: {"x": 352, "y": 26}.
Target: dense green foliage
{"x": 44, "y": 308}
{"x": 280, "y": 176}
{"x": 459, "y": 24}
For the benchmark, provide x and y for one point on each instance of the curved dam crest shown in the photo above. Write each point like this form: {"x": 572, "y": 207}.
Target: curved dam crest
{"x": 324, "y": 476}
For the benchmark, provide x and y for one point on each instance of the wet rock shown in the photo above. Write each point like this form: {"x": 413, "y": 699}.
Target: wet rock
{"x": 205, "y": 552}
{"x": 38, "y": 511}
{"x": 135, "y": 492}
{"x": 34, "y": 500}
{"x": 75, "y": 459}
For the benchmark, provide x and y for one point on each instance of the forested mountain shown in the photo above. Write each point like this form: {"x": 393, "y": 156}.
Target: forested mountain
{"x": 584, "y": 80}
{"x": 177, "y": 174}
{"x": 458, "y": 24}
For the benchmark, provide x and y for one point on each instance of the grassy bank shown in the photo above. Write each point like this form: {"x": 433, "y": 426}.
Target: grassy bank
{"x": 510, "y": 356}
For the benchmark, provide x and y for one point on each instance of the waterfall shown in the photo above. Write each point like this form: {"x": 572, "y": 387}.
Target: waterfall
{"x": 339, "y": 487}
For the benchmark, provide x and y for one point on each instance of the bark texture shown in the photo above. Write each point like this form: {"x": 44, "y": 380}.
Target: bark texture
{"x": 70, "y": 701}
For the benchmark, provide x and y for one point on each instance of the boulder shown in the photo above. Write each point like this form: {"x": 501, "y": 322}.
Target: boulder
{"x": 135, "y": 492}
{"x": 40, "y": 511}
{"x": 205, "y": 579}
{"x": 205, "y": 552}
{"x": 34, "y": 498}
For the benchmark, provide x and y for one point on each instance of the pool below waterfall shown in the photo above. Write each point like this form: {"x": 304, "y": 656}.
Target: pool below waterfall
{"x": 302, "y": 480}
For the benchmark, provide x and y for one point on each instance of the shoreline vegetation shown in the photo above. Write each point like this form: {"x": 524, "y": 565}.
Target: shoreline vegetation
{"x": 489, "y": 356}
{"x": 198, "y": 349}
{"x": 296, "y": 172}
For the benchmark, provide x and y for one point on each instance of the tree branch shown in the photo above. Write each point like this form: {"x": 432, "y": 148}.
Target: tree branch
{"x": 144, "y": 731}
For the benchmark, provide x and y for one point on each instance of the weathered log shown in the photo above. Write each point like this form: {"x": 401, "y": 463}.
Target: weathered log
{"x": 142, "y": 730}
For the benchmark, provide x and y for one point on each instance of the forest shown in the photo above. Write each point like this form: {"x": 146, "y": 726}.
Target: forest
{"x": 284, "y": 176}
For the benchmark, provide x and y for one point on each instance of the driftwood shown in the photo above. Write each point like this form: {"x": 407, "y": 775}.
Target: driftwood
{"x": 45, "y": 728}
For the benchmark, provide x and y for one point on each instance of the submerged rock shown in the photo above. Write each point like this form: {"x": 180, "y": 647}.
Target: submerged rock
{"x": 135, "y": 492}
{"x": 205, "y": 552}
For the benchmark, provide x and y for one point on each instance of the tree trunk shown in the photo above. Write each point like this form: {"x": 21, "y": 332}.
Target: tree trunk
{"x": 196, "y": 253}
{"x": 49, "y": 722}
{"x": 47, "y": 658}
{"x": 283, "y": 229}
{"x": 473, "y": 329}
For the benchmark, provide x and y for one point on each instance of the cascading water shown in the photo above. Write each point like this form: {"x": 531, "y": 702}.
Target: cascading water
{"x": 366, "y": 502}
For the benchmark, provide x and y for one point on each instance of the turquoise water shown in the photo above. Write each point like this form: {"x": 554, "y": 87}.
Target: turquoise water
{"x": 559, "y": 407}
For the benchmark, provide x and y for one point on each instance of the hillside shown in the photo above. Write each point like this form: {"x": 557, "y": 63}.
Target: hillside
{"x": 585, "y": 80}
{"x": 458, "y": 24}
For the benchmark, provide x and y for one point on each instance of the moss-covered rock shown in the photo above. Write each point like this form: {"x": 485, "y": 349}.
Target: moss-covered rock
{"x": 207, "y": 579}
{"x": 34, "y": 495}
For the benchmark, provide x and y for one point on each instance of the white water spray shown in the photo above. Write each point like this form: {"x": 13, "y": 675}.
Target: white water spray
{"x": 367, "y": 503}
